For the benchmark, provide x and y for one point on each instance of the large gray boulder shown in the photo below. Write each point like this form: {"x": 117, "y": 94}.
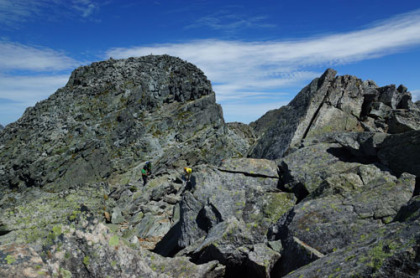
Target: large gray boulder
{"x": 398, "y": 152}
{"x": 401, "y": 152}
{"x": 391, "y": 251}
{"x": 332, "y": 104}
{"x": 341, "y": 197}
{"x": 226, "y": 215}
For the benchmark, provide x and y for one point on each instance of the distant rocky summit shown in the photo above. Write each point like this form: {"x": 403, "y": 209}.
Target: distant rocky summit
{"x": 335, "y": 104}
{"x": 1, "y": 127}
{"x": 327, "y": 186}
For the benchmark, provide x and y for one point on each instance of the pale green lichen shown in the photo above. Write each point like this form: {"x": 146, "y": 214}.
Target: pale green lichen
{"x": 57, "y": 230}
{"x": 10, "y": 259}
{"x": 65, "y": 273}
{"x": 114, "y": 241}
{"x": 74, "y": 215}
{"x": 86, "y": 260}
{"x": 277, "y": 205}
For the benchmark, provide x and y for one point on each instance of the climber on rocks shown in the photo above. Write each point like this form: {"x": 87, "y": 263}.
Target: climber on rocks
{"x": 189, "y": 181}
{"x": 187, "y": 173}
{"x": 146, "y": 171}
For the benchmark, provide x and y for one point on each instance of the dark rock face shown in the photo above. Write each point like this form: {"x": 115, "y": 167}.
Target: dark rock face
{"x": 113, "y": 115}
{"x": 332, "y": 104}
{"x": 338, "y": 196}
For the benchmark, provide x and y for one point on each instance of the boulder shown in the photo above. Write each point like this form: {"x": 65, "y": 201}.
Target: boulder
{"x": 340, "y": 198}
{"x": 21, "y": 260}
{"x": 252, "y": 167}
{"x": 226, "y": 216}
{"x": 398, "y": 152}
{"x": 29, "y": 215}
{"x": 390, "y": 251}
{"x": 401, "y": 152}
{"x": 116, "y": 216}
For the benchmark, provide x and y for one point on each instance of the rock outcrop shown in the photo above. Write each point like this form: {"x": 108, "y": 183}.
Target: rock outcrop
{"x": 332, "y": 104}
{"x": 332, "y": 190}
{"x": 86, "y": 248}
{"x": 113, "y": 116}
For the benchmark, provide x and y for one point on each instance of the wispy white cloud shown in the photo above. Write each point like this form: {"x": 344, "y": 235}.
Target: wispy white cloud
{"x": 19, "y": 92}
{"x": 238, "y": 67}
{"x": 229, "y": 21}
{"x": 85, "y": 7}
{"x": 30, "y": 89}
{"x": 416, "y": 95}
{"x": 14, "y": 56}
{"x": 373, "y": 42}
{"x": 21, "y": 84}
{"x": 13, "y": 12}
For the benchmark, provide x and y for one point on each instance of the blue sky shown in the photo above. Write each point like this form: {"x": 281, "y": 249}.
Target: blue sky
{"x": 258, "y": 54}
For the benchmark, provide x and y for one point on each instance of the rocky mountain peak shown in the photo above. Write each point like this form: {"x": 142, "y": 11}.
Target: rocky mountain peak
{"x": 164, "y": 77}
{"x": 335, "y": 103}
{"x": 111, "y": 117}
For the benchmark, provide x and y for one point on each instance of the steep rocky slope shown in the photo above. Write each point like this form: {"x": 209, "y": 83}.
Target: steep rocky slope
{"x": 333, "y": 190}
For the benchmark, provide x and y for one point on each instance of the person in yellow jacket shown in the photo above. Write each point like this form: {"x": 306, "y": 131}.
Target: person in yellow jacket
{"x": 187, "y": 172}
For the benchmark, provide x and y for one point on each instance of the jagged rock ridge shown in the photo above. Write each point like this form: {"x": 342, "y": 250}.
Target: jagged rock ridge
{"x": 330, "y": 103}
{"x": 341, "y": 198}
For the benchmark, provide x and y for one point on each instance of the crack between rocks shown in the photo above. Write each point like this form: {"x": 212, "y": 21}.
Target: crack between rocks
{"x": 248, "y": 174}
{"x": 3, "y": 233}
{"x": 315, "y": 116}
{"x": 85, "y": 266}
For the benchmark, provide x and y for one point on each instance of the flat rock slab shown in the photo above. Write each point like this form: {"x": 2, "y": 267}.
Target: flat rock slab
{"x": 250, "y": 166}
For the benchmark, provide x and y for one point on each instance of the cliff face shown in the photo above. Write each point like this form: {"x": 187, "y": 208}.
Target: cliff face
{"x": 333, "y": 189}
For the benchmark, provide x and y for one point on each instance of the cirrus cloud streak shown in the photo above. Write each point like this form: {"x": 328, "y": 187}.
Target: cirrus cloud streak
{"x": 267, "y": 67}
